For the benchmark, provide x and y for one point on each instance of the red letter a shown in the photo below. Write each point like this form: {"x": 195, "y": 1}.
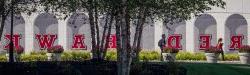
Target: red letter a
{"x": 79, "y": 42}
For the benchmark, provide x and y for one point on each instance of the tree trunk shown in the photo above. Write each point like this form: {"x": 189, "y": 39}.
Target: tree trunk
{"x": 118, "y": 43}
{"x": 138, "y": 35}
{"x": 135, "y": 43}
{"x": 11, "y": 49}
{"x": 123, "y": 52}
{"x": 103, "y": 36}
{"x": 3, "y": 18}
{"x": 97, "y": 34}
{"x": 108, "y": 35}
{"x": 92, "y": 29}
{"x": 138, "y": 47}
{"x": 129, "y": 56}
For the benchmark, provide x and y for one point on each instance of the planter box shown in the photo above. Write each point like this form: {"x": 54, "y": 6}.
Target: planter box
{"x": 170, "y": 57}
{"x": 57, "y": 56}
{"x": 54, "y": 56}
{"x": 49, "y": 56}
{"x": 244, "y": 58}
{"x": 212, "y": 57}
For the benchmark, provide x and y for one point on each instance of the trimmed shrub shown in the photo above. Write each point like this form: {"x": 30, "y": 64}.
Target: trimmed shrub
{"x": 231, "y": 57}
{"x": 79, "y": 56}
{"x": 3, "y": 58}
{"x": 111, "y": 55}
{"x": 149, "y": 55}
{"x": 28, "y": 58}
{"x": 66, "y": 56}
{"x": 190, "y": 56}
{"x": 38, "y": 52}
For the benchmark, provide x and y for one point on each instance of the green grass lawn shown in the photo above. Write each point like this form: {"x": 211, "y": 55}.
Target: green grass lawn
{"x": 216, "y": 69}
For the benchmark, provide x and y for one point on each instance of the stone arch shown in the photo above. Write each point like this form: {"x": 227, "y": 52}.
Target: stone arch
{"x": 178, "y": 27}
{"x": 18, "y": 29}
{"x": 235, "y": 24}
{"x": 78, "y": 24}
{"x": 205, "y": 24}
{"x": 45, "y": 24}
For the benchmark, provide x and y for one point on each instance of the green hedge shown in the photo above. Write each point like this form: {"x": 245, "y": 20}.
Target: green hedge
{"x": 3, "y": 58}
{"x": 232, "y": 57}
{"x": 26, "y": 58}
{"x": 112, "y": 56}
{"x": 149, "y": 55}
{"x": 66, "y": 56}
{"x": 144, "y": 55}
{"x": 190, "y": 56}
{"x": 201, "y": 56}
{"x": 76, "y": 56}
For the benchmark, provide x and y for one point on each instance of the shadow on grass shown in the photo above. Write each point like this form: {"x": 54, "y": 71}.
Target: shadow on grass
{"x": 216, "y": 69}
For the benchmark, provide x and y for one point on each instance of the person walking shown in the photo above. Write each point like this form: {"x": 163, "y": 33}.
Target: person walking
{"x": 162, "y": 44}
{"x": 219, "y": 47}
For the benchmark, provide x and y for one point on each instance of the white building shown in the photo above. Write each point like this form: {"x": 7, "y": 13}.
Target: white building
{"x": 220, "y": 23}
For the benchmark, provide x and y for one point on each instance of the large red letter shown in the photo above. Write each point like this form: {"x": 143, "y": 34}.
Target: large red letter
{"x": 16, "y": 40}
{"x": 46, "y": 41}
{"x": 112, "y": 41}
{"x": 175, "y": 39}
{"x": 236, "y": 41}
{"x": 79, "y": 42}
{"x": 205, "y": 41}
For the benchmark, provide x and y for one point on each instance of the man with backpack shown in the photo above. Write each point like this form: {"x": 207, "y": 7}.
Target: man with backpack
{"x": 162, "y": 44}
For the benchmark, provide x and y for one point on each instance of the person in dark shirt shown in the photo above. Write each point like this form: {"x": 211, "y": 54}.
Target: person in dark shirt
{"x": 162, "y": 44}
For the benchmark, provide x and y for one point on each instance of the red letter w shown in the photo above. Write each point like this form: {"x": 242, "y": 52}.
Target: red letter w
{"x": 46, "y": 41}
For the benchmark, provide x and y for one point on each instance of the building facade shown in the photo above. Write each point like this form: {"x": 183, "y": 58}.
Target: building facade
{"x": 41, "y": 30}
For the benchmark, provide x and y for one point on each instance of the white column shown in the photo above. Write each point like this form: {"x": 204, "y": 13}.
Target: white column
{"x": 248, "y": 31}
{"x": 158, "y": 32}
{"x": 247, "y": 16}
{"x": 220, "y": 28}
{"x": 62, "y": 33}
{"x": 29, "y": 30}
{"x": 220, "y": 20}
{"x": 190, "y": 35}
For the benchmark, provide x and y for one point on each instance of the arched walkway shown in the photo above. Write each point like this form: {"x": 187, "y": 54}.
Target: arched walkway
{"x": 78, "y": 24}
{"x": 207, "y": 25}
{"x": 236, "y": 24}
{"x": 45, "y": 24}
{"x": 176, "y": 28}
{"x": 19, "y": 30}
